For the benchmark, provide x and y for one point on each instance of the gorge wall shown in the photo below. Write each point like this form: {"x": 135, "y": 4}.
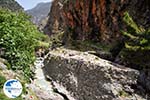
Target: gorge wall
{"x": 39, "y": 12}
{"x": 98, "y": 20}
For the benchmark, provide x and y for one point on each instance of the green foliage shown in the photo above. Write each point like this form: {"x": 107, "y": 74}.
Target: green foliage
{"x": 43, "y": 41}
{"x": 2, "y": 81}
{"x": 4, "y": 97}
{"x": 123, "y": 94}
{"x": 18, "y": 37}
{"x": 56, "y": 40}
{"x": 137, "y": 44}
{"x": 11, "y": 5}
{"x": 138, "y": 37}
{"x": 135, "y": 59}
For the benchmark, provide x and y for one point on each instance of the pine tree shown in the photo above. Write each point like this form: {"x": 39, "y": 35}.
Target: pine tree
{"x": 138, "y": 38}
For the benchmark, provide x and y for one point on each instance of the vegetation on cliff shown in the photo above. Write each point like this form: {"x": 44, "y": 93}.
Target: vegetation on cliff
{"x": 39, "y": 12}
{"x": 137, "y": 44}
{"x": 138, "y": 37}
{"x": 11, "y": 5}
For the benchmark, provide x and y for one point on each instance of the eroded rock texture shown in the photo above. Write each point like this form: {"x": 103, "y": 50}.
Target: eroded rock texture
{"x": 39, "y": 12}
{"x": 55, "y": 22}
{"x": 88, "y": 77}
{"x": 99, "y": 20}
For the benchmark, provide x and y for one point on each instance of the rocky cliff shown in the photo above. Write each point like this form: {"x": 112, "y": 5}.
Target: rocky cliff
{"x": 98, "y": 20}
{"x": 39, "y": 12}
{"x": 11, "y": 5}
{"x": 54, "y": 23}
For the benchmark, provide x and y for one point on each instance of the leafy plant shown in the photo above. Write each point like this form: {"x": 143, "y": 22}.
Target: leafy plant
{"x": 3, "y": 80}
{"x": 4, "y": 97}
{"x": 56, "y": 40}
{"x": 138, "y": 37}
{"x": 18, "y": 37}
{"x": 137, "y": 44}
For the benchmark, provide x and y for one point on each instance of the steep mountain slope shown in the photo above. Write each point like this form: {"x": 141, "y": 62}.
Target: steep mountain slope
{"x": 10, "y": 4}
{"x": 39, "y": 12}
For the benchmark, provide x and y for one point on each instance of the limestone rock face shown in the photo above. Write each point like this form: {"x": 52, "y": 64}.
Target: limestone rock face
{"x": 99, "y": 20}
{"x": 39, "y": 12}
{"x": 56, "y": 19}
{"x": 87, "y": 77}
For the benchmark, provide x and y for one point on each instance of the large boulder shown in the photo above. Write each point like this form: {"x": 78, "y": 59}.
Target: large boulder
{"x": 88, "y": 77}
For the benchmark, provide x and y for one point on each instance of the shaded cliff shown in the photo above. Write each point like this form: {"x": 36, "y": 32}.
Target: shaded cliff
{"x": 11, "y": 5}
{"x": 98, "y": 20}
{"x": 55, "y": 21}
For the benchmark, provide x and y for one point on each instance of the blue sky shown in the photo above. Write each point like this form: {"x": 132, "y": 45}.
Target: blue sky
{"x": 28, "y": 4}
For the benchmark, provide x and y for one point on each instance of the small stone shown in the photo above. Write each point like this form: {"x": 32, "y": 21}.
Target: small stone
{"x": 3, "y": 66}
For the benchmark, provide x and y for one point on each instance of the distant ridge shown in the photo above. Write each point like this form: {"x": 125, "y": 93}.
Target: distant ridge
{"x": 11, "y": 5}
{"x": 39, "y": 12}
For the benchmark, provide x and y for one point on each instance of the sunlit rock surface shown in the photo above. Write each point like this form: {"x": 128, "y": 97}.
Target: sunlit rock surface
{"x": 88, "y": 77}
{"x": 39, "y": 12}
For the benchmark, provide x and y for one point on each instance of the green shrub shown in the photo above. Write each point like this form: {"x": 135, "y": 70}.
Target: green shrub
{"x": 138, "y": 38}
{"x": 56, "y": 40}
{"x": 2, "y": 81}
{"x": 137, "y": 44}
{"x": 18, "y": 37}
{"x": 4, "y": 97}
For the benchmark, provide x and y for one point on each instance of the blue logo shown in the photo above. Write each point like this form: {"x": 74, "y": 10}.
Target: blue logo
{"x": 12, "y": 88}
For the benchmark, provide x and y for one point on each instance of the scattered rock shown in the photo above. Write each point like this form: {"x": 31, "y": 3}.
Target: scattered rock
{"x": 43, "y": 89}
{"x": 3, "y": 66}
{"x": 9, "y": 74}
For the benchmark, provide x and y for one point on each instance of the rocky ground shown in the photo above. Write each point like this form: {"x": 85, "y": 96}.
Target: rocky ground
{"x": 39, "y": 88}
{"x": 88, "y": 77}
{"x": 65, "y": 74}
